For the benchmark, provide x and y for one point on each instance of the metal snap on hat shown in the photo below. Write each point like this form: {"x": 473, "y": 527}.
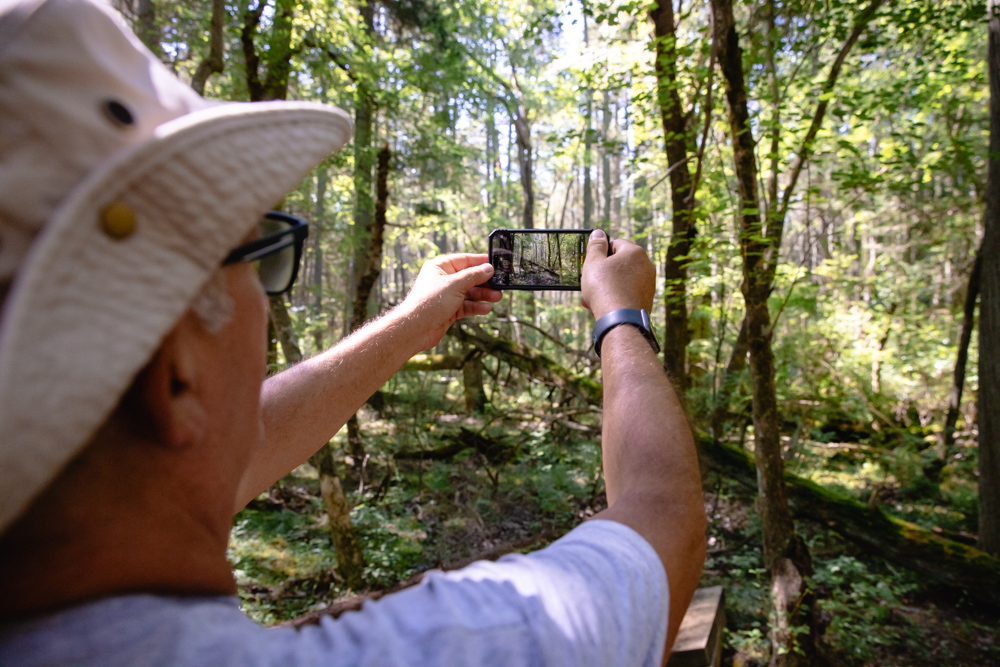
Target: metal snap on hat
{"x": 121, "y": 190}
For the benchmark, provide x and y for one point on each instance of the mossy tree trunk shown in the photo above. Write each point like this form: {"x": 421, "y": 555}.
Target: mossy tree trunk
{"x": 989, "y": 315}
{"x": 962, "y": 358}
{"x": 785, "y": 555}
{"x": 675, "y": 271}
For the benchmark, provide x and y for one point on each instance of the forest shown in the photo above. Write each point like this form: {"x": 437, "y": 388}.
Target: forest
{"x": 818, "y": 185}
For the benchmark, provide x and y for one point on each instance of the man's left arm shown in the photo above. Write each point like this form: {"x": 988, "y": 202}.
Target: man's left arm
{"x": 304, "y": 406}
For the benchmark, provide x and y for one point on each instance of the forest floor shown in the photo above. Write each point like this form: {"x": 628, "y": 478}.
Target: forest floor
{"x": 445, "y": 513}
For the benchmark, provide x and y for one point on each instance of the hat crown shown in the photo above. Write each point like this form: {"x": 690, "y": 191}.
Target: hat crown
{"x": 77, "y": 88}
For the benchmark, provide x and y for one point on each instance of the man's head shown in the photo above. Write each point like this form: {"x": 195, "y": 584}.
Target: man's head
{"x": 121, "y": 194}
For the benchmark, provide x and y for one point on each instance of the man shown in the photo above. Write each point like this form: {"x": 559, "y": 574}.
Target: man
{"x": 133, "y": 418}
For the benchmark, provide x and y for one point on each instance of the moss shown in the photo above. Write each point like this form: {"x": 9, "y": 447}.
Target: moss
{"x": 948, "y": 562}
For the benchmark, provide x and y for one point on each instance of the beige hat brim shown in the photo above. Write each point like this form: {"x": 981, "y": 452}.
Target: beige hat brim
{"x": 87, "y": 311}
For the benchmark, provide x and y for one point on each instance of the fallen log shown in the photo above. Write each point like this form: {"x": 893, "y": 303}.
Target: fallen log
{"x": 497, "y": 451}
{"x": 527, "y": 361}
{"x": 434, "y": 362}
{"x": 939, "y": 559}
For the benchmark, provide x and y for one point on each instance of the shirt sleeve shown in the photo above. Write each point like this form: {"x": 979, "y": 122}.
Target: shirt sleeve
{"x": 598, "y": 596}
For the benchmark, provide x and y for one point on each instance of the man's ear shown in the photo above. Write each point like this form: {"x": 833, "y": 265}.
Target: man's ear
{"x": 170, "y": 389}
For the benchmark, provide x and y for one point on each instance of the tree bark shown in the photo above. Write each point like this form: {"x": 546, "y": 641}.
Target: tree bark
{"x": 965, "y": 337}
{"x": 675, "y": 339}
{"x": 149, "y": 32}
{"x": 214, "y": 61}
{"x": 472, "y": 383}
{"x": 371, "y": 263}
{"x": 525, "y": 163}
{"x": 786, "y": 556}
{"x": 737, "y": 364}
{"x": 606, "y": 171}
{"x": 588, "y": 140}
{"x": 284, "y": 330}
{"x": 277, "y": 56}
{"x": 988, "y": 410}
{"x": 350, "y": 559}
{"x": 319, "y": 218}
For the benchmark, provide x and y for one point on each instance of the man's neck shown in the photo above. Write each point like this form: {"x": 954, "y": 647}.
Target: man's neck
{"x": 68, "y": 569}
{"x": 103, "y": 528}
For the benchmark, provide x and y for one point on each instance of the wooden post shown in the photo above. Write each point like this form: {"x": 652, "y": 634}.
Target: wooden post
{"x": 699, "y": 639}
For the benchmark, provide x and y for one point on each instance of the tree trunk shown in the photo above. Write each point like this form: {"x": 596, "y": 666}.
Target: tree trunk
{"x": 284, "y": 330}
{"x": 988, "y": 409}
{"x": 606, "y": 171}
{"x": 472, "y": 381}
{"x": 148, "y": 31}
{"x": 737, "y": 364}
{"x": 277, "y": 56}
{"x": 350, "y": 559}
{"x": 371, "y": 268}
{"x": 525, "y": 163}
{"x": 319, "y": 218}
{"x": 214, "y": 61}
{"x": 968, "y": 323}
{"x": 786, "y": 556}
{"x": 675, "y": 338}
{"x": 588, "y": 141}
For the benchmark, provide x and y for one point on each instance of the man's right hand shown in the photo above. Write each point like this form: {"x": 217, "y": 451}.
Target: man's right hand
{"x": 625, "y": 279}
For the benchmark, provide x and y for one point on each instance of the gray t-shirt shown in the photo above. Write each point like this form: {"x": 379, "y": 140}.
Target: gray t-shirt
{"x": 598, "y": 596}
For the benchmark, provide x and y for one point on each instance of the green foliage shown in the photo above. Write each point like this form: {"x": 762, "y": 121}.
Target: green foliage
{"x": 864, "y": 605}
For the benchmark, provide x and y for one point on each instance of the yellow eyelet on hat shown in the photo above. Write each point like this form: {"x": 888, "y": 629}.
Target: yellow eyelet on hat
{"x": 118, "y": 221}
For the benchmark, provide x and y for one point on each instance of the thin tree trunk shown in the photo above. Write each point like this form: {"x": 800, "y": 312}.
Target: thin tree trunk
{"x": 877, "y": 361}
{"x": 214, "y": 62}
{"x": 284, "y": 330}
{"x": 989, "y": 316}
{"x": 472, "y": 381}
{"x": 606, "y": 157}
{"x": 372, "y": 267}
{"x": 277, "y": 56}
{"x": 350, "y": 559}
{"x": 786, "y": 556}
{"x": 675, "y": 337}
{"x": 588, "y": 141}
{"x": 737, "y": 364}
{"x": 525, "y": 161}
{"x": 149, "y": 33}
{"x": 968, "y": 323}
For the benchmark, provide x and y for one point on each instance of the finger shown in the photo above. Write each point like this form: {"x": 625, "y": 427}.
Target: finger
{"x": 456, "y": 262}
{"x": 476, "y": 308}
{"x": 479, "y": 293}
{"x": 469, "y": 277}
{"x": 620, "y": 245}
{"x": 597, "y": 247}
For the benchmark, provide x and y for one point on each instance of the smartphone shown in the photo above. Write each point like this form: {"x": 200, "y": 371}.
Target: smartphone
{"x": 537, "y": 259}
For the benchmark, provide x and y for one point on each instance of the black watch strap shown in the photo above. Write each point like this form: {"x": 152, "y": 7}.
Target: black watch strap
{"x": 636, "y": 317}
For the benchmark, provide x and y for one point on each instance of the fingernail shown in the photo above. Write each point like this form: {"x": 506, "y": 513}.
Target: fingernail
{"x": 488, "y": 268}
{"x": 597, "y": 235}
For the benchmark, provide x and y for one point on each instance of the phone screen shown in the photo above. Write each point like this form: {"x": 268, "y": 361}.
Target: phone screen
{"x": 537, "y": 259}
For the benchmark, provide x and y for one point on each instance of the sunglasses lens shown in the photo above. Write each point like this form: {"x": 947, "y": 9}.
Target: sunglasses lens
{"x": 276, "y": 269}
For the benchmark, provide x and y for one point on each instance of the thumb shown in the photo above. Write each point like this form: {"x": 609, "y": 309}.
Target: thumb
{"x": 473, "y": 275}
{"x": 597, "y": 247}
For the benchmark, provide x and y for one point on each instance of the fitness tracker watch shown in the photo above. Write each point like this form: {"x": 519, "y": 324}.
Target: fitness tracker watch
{"x": 635, "y": 317}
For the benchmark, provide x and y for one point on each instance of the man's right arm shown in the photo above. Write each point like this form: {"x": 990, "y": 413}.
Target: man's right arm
{"x": 650, "y": 463}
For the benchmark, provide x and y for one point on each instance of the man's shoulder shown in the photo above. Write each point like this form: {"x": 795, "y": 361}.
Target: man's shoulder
{"x": 128, "y": 629}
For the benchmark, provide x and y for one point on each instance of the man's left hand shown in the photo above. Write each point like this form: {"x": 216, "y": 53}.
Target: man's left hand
{"x": 448, "y": 288}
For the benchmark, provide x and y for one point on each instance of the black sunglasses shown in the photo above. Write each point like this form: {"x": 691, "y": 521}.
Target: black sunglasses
{"x": 276, "y": 254}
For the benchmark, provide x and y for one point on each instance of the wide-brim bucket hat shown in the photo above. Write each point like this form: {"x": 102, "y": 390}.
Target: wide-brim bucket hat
{"x": 121, "y": 191}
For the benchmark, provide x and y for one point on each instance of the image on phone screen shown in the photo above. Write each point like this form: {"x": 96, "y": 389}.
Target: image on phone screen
{"x": 535, "y": 259}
